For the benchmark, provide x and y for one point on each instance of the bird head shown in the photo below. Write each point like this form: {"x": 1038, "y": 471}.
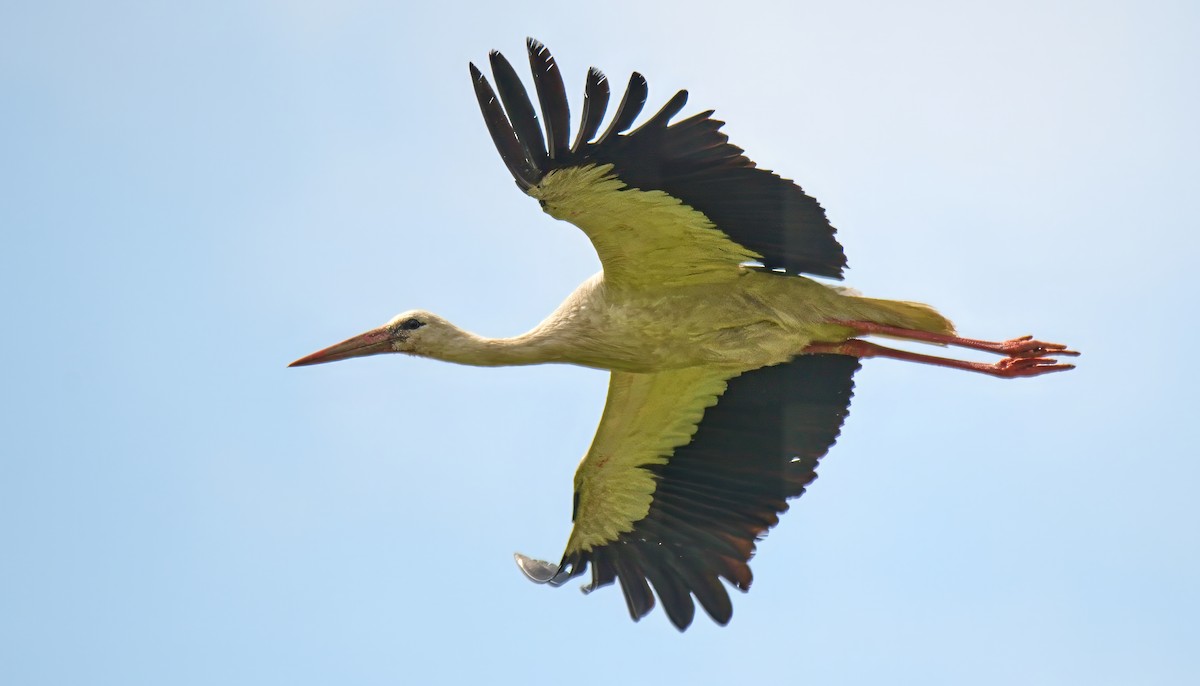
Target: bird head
{"x": 409, "y": 332}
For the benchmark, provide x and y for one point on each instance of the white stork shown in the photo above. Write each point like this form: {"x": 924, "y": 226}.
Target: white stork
{"x": 731, "y": 372}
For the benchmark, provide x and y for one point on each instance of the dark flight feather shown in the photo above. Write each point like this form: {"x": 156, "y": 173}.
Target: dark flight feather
{"x": 521, "y": 167}
{"x": 630, "y": 107}
{"x": 520, "y": 110}
{"x": 595, "y": 102}
{"x": 553, "y": 96}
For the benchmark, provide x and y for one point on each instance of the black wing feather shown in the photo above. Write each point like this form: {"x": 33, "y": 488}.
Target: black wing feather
{"x": 553, "y": 95}
{"x": 595, "y": 102}
{"x": 511, "y": 151}
{"x": 703, "y": 584}
{"x": 631, "y": 106}
{"x": 626, "y": 566}
{"x": 690, "y": 160}
{"x": 660, "y": 119}
{"x": 520, "y": 110}
{"x": 676, "y": 597}
{"x": 718, "y": 495}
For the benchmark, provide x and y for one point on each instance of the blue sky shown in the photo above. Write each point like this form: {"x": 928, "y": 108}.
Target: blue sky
{"x": 194, "y": 196}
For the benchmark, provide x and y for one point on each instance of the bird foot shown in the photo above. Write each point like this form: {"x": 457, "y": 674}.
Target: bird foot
{"x": 1015, "y": 367}
{"x": 1027, "y": 347}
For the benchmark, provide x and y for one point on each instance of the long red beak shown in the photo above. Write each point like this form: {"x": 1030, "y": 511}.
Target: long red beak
{"x": 373, "y": 342}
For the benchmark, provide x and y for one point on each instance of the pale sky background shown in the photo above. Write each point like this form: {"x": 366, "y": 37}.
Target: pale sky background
{"x": 194, "y": 194}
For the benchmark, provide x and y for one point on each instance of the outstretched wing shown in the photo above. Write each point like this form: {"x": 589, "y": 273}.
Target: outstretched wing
{"x": 688, "y": 469}
{"x": 662, "y": 203}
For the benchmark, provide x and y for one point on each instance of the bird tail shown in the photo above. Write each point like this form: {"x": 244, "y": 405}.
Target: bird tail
{"x": 908, "y": 315}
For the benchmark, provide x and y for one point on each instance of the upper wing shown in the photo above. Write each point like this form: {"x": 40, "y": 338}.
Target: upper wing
{"x": 677, "y": 486}
{"x": 661, "y": 199}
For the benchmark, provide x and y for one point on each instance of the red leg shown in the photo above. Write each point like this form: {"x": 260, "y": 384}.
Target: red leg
{"x": 1024, "y": 346}
{"x": 1008, "y": 368}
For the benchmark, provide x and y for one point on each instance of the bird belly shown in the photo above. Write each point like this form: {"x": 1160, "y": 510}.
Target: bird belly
{"x": 673, "y": 333}
{"x": 758, "y": 319}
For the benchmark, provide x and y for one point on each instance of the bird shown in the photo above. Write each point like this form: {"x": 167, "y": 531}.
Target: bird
{"x": 731, "y": 368}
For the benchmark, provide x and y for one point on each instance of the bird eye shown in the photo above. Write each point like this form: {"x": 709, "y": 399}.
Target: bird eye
{"x": 411, "y": 323}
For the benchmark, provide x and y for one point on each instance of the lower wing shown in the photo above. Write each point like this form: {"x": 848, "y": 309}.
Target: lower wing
{"x": 688, "y": 469}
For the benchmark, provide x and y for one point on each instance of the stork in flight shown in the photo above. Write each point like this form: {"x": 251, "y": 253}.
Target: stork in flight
{"x": 731, "y": 372}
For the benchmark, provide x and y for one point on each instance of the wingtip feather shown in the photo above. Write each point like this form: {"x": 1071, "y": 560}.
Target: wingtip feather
{"x": 552, "y": 95}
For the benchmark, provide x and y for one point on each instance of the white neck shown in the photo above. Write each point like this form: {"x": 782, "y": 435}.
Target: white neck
{"x": 464, "y": 347}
